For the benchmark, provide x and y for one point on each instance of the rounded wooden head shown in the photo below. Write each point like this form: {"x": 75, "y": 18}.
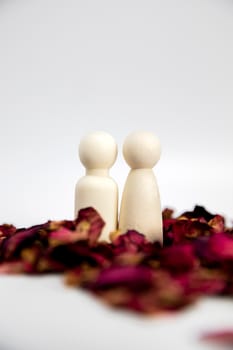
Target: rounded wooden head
{"x": 98, "y": 150}
{"x": 141, "y": 150}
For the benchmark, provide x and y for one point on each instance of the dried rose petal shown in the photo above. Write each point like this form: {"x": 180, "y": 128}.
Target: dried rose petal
{"x": 189, "y": 229}
{"x": 15, "y": 267}
{"x": 31, "y": 255}
{"x": 221, "y": 247}
{"x": 224, "y": 337}
{"x": 76, "y": 254}
{"x": 129, "y": 259}
{"x": 7, "y": 230}
{"x": 65, "y": 236}
{"x": 46, "y": 264}
{"x": 178, "y": 258}
{"x": 167, "y": 214}
{"x": 134, "y": 277}
{"x": 56, "y": 225}
{"x": 217, "y": 224}
{"x": 82, "y": 276}
{"x": 199, "y": 212}
{"x": 89, "y": 223}
{"x": 21, "y": 239}
{"x": 202, "y": 282}
{"x": 131, "y": 242}
{"x": 165, "y": 294}
{"x": 170, "y": 294}
{"x": 116, "y": 297}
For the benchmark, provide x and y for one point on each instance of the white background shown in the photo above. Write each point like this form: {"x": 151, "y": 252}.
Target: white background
{"x": 68, "y": 67}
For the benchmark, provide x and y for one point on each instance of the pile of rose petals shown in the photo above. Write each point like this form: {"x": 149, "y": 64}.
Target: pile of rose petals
{"x": 129, "y": 271}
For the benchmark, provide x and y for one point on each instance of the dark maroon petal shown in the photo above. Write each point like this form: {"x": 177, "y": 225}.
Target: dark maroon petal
{"x": 168, "y": 234}
{"x": 197, "y": 228}
{"x": 184, "y": 230}
{"x": 7, "y": 230}
{"x": 178, "y": 258}
{"x": 167, "y": 224}
{"x": 136, "y": 278}
{"x": 21, "y": 239}
{"x": 76, "y": 254}
{"x": 201, "y": 248}
{"x": 102, "y": 254}
{"x": 202, "y": 282}
{"x": 70, "y": 256}
{"x": 199, "y": 212}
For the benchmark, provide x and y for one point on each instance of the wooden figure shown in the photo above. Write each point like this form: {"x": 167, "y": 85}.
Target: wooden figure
{"x": 140, "y": 205}
{"x": 98, "y": 152}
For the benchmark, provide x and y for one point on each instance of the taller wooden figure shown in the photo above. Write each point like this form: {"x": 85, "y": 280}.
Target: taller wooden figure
{"x": 98, "y": 152}
{"x": 140, "y": 205}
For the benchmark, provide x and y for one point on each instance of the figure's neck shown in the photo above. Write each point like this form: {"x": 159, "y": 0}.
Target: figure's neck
{"x": 97, "y": 172}
{"x": 142, "y": 169}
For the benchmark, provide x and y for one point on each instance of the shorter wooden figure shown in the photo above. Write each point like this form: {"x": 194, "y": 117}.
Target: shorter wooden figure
{"x": 140, "y": 205}
{"x": 98, "y": 152}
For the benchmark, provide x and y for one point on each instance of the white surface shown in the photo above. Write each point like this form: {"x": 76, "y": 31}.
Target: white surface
{"x": 40, "y": 313}
{"x": 71, "y": 66}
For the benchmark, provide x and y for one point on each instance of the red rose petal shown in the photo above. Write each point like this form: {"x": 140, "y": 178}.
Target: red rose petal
{"x": 134, "y": 277}
{"x": 178, "y": 258}
{"x": 221, "y": 247}
{"x": 91, "y": 217}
